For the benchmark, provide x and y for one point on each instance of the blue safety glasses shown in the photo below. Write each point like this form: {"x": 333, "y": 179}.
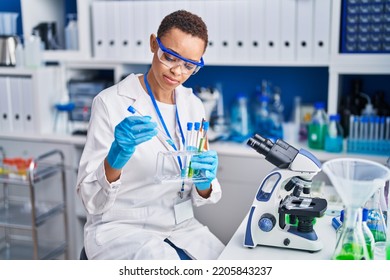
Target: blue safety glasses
{"x": 172, "y": 59}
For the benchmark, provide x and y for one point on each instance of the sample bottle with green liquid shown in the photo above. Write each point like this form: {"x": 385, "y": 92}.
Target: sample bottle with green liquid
{"x": 318, "y": 127}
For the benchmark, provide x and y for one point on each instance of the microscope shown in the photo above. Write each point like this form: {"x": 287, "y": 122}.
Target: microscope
{"x": 283, "y": 213}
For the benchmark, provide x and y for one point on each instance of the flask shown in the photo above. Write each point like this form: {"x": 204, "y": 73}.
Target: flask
{"x": 240, "y": 119}
{"x": 351, "y": 244}
{"x": 375, "y": 220}
{"x": 368, "y": 236}
{"x": 317, "y": 127}
{"x": 71, "y": 33}
{"x": 334, "y": 136}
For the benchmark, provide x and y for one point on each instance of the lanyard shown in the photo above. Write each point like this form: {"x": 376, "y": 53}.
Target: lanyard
{"x": 162, "y": 119}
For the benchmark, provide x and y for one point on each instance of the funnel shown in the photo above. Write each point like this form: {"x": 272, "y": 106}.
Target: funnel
{"x": 356, "y": 180}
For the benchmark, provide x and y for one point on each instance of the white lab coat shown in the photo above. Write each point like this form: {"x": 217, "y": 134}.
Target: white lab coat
{"x": 130, "y": 218}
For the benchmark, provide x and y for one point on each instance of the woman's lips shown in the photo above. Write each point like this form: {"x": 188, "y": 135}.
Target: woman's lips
{"x": 170, "y": 80}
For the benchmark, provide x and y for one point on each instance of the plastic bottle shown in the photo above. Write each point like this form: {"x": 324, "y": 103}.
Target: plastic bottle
{"x": 318, "y": 127}
{"x": 19, "y": 55}
{"x": 263, "y": 122}
{"x": 276, "y": 115}
{"x": 71, "y": 33}
{"x": 240, "y": 119}
{"x": 334, "y": 136}
{"x": 33, "y": 51}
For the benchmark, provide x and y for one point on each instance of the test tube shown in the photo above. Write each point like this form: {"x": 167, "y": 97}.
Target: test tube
{"x": 356, "y": 127}
{"x": 382, "y": 128}
{"x": 188, "y": 136}
{"x": 371, "y": 128}
{"x": 187, "y": 146}
{"x": 376, "y": 128}
{"x": 364, "y": 121}
{"x": 195, "y": 142}
{"x": 160, "y": 135}
{"x": 351, "y": 127}
{"x": 203, "y": 139}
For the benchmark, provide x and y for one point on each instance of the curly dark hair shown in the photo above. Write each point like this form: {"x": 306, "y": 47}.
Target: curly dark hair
{"x": 185, "y": 21}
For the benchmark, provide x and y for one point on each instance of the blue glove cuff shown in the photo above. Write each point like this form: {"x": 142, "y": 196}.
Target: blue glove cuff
{"x": 117, "y": 157}
{"x": 203, "y": 186}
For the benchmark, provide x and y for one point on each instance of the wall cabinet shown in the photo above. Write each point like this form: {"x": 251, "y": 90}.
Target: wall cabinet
{"x": 240, "y": 171}
{"x": 247, "y": 20}
{"x": 27, "y": 98}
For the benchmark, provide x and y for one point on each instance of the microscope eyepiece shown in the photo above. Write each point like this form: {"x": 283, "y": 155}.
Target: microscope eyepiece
{"x": 279, "y": 153}
{"x": 260, "y": 144}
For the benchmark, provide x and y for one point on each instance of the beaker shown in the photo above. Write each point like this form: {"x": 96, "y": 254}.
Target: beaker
{"x": 355, "y": 180}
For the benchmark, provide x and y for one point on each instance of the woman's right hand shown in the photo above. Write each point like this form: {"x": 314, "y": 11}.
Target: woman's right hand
{"x": 129, "y": 133}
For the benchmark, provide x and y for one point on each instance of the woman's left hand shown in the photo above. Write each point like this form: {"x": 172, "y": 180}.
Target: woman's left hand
{"x": 207, "y": 163}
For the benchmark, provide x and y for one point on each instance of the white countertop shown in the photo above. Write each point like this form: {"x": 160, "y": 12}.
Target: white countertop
{"x": 235, "y": 249}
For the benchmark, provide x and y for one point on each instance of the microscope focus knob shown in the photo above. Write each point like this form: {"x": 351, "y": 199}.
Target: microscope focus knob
{"x": 267, "y": 222}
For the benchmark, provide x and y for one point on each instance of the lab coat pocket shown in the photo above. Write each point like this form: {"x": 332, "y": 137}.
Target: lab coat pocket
{"x": 118, "y": 223}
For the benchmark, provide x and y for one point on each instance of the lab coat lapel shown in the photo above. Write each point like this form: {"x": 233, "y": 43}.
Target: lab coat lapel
{"x": 142, "y": 103}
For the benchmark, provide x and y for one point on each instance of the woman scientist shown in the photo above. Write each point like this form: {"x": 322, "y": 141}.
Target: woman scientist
{"x": 129, "y": 215}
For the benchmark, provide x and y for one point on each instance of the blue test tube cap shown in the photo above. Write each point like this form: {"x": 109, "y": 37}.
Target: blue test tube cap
{"x": 189, "y": 126}
{"x": 364, "y": 214}
{"x": 319, "y": 105}
{"x": 131, "y": 109}
{"x": 197, "y": 125}
{"x": 206, "y": 125}
{"x": 335, "y": 117}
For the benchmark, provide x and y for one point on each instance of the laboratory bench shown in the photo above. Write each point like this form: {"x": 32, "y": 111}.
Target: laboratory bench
{"x": 241, "y": 169}
{"x": 235, "y": 249}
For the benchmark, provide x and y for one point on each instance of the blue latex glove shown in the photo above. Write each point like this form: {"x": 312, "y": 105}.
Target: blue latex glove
{"x": 207, "y": 163}
{"x": 128, "y": 134}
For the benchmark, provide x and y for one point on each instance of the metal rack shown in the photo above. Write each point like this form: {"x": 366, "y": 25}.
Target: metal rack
{"x": 23, "y": 214}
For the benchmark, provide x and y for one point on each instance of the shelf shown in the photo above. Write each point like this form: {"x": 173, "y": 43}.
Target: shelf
{"x": 18, "y": 214}
{"x": 29, "y": 216}
{"x": 39, "y": 175}
{"x": 23, "y": 250}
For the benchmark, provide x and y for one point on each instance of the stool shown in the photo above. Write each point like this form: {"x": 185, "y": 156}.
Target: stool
{"x": 83, "y": 255}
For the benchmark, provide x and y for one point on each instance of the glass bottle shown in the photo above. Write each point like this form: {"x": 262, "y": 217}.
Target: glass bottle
{"x": 334, "y": 135}
{"x": 318, "y": 127}
{"x": 375, "y": 220}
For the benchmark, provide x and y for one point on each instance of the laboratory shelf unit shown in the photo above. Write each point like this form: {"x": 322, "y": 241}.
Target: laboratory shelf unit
{"x": 32, "y": 204}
